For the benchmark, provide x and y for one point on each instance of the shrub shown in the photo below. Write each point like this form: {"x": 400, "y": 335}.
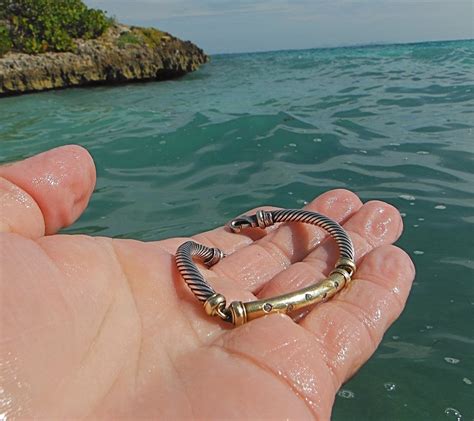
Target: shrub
{"x": 128, "y": 38}
{"x": 50, "y": 25}
{"x": 5, "y": 42}
{"x": 151, "y": 36}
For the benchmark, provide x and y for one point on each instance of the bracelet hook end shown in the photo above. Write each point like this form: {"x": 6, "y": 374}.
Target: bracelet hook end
{"x": 242, "y": 222}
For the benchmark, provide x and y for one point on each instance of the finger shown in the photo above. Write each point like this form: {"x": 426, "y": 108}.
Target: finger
{"x": 19, "y": 213}
{"x": 253, "y": 266}
{"x": 352, "y": 324}
{"x": 374, "y": 224}
{"x": 60, "y": 181}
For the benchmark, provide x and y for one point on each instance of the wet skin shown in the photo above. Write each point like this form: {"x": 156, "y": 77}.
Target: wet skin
{"x": 96, "y": 327}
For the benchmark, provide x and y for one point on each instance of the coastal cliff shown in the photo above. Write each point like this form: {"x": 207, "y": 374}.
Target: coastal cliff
{"x": 121, "y": 54}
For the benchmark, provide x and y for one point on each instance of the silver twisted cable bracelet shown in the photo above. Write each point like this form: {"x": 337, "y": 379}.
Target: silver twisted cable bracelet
{"x": 238, "y": 312}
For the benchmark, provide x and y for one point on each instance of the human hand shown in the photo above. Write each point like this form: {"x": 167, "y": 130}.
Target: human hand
{"x": 106, "y": 328}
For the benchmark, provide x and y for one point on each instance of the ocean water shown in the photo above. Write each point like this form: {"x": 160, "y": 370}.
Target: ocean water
{"x": 392, "y": 123}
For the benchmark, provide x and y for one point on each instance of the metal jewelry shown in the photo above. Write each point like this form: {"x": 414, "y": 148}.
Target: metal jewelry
{"x": 238, "y": 312}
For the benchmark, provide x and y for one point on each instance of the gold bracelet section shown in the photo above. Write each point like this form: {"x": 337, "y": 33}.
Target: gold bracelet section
{"x": 245, "y": 312}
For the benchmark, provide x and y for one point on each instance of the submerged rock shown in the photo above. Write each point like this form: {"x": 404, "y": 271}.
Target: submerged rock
{"x": 122, "y": 54}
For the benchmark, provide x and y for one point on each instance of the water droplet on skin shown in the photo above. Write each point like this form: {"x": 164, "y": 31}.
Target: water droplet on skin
{"x": 418, "y": 252}
{"x": 453, "y": 413}
{"x": 390, "y": 387}
{"x": 377, "y": 315}
{"x": 346, "y": 394}
{"x": 451, "y": 360}
{"x": 441, "y": 207}
{"x": 467, "y": 381}
{"x": 46, "y": 179}
{"x": 407, "y": 197}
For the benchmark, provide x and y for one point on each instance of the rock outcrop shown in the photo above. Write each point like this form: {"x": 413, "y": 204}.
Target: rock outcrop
{"x": 109, "y": 59}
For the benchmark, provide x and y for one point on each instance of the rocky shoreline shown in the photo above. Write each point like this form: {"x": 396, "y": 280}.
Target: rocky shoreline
{"x": 105, "y": 60}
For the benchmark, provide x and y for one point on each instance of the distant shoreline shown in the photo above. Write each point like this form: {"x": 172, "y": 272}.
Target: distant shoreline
{"x": 123, "y": 54}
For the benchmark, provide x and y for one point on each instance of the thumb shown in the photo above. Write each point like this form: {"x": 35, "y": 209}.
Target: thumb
{"x": 46, "y": 192}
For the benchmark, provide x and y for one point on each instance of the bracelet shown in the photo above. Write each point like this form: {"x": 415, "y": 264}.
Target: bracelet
{"x": 238, "y": 312}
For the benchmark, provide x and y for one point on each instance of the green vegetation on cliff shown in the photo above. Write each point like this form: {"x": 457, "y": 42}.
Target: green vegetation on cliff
{"x": 38, "y": 26}
{"x": 144, "y": 36}
{"x": 5, "y": 41}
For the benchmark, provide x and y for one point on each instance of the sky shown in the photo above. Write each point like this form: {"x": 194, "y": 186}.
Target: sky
{"x": 228, "y": 26}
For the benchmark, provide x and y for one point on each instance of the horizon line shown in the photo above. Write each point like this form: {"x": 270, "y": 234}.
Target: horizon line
{"x": 341, "y": 46}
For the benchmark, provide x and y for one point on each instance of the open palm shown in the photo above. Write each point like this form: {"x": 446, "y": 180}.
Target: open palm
{"x": 103, "y": 328}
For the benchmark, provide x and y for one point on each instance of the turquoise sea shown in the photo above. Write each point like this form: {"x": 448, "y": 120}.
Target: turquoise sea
{"x": 391, "y": 122}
